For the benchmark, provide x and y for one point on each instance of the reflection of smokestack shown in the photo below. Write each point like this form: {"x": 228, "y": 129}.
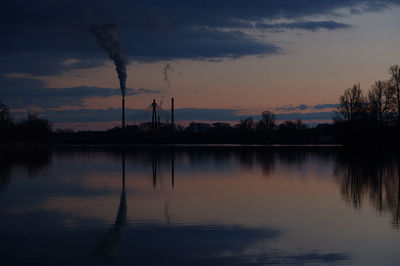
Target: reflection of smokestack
{"x": 123, "y": 172}
{"x": 123, "y": 112}
{"x": 154, "y": 166}
{"x": 108, "y": 249}
{"x": 172, "y": 114}
{"x": 173, "y": 169}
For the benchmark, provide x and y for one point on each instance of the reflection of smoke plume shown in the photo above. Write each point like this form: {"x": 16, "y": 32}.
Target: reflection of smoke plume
{"x": 107, "y": 36}
{"x": 167, "y": 69}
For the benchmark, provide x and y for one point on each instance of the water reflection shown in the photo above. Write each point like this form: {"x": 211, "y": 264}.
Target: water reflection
{"x": 375, "y": 178}
{"x": 155, "y": 163}
{"x": 229, "y": 207}
{"x": 153, "y": 244}
{"x": 32, "y": 161}
{"x": 361, "y": 178}
{"x": 172, "y": 168}
{"x": 108, "y": 249}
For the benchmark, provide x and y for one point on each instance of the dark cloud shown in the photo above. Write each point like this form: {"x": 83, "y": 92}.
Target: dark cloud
{"x": 323, "y": 116}
{"x": 302, "y": 107}
{"x": 208, "y": 114}
{"x": 138, "y": 115}
{"x": 30, "y": 92}
{"x": 201, "y": 44}
{"x": 304, "y": 25}
{"x": 45, "y": 62}
{"x": 289, "y": 108}
{"x": 38, "y": 36}
{"x": 326, "y": 106}
{"x": 183, "y": 114}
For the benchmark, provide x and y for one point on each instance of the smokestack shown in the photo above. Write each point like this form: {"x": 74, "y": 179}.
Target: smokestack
{"x": 123, "y": 112}
{"x": 172, "y": 114}
{"x": 107, "y": 37}
{"x": 154, "y": 116}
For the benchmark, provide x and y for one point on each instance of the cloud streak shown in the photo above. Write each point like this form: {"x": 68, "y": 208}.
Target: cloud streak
{"x": 302, "y": 107}
{"x": 304, "y": 25}
{"x": 181, "y": 115}
{"x": 29, "y": 92}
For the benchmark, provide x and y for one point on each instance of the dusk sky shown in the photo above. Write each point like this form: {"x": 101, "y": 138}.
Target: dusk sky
{"x": 229, "y": 59}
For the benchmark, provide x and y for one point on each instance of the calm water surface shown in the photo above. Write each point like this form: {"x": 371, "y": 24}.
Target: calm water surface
{"x": 206, "y": 206}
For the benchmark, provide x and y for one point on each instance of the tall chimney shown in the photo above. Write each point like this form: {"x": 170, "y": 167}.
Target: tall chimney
{"x": 172, "y": 114}
{"x": 123, "y": 112}
{"x": 154, "y": 117}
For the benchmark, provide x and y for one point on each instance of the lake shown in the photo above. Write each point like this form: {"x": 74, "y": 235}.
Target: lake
{"x": 199, "y": 206}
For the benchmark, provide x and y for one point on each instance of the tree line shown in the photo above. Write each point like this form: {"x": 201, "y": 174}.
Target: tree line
{"x": 31, "y": 129}
{"x": 371, "y": 118}
{"x": 379, "y": 106}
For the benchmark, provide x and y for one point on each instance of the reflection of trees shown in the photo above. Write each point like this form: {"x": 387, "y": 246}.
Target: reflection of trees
{"x": 376, "y": 179}
{"x": 156, "y": 166}
{"x": 245, "y": 158}
{"x": 292, "y": 158}
{"x": 267, "y": 161}
{"x": 32, "y": 161}
{"x": 250, "y": 158}
{"x": 5, "y": 170}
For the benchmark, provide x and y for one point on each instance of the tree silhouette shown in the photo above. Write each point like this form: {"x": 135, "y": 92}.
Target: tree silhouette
{"x": 5, "y": 116}
{"x": 292, "y": 126}
{"x": 380, "y": 98}
{"x": 34, "y": 128}
{"x": 246, "y": 124}
{"x": 5, "y": 123}
{"x": 395, "y": 73}
{"x": 267, "y": 122}
{"x": 351, "y": 104}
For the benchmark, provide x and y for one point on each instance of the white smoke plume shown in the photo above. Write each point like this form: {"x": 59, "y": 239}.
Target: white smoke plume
{"x": 166, "y": 71}
{"x": 161, "y": 102}
{"x": 107, "y": 36}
